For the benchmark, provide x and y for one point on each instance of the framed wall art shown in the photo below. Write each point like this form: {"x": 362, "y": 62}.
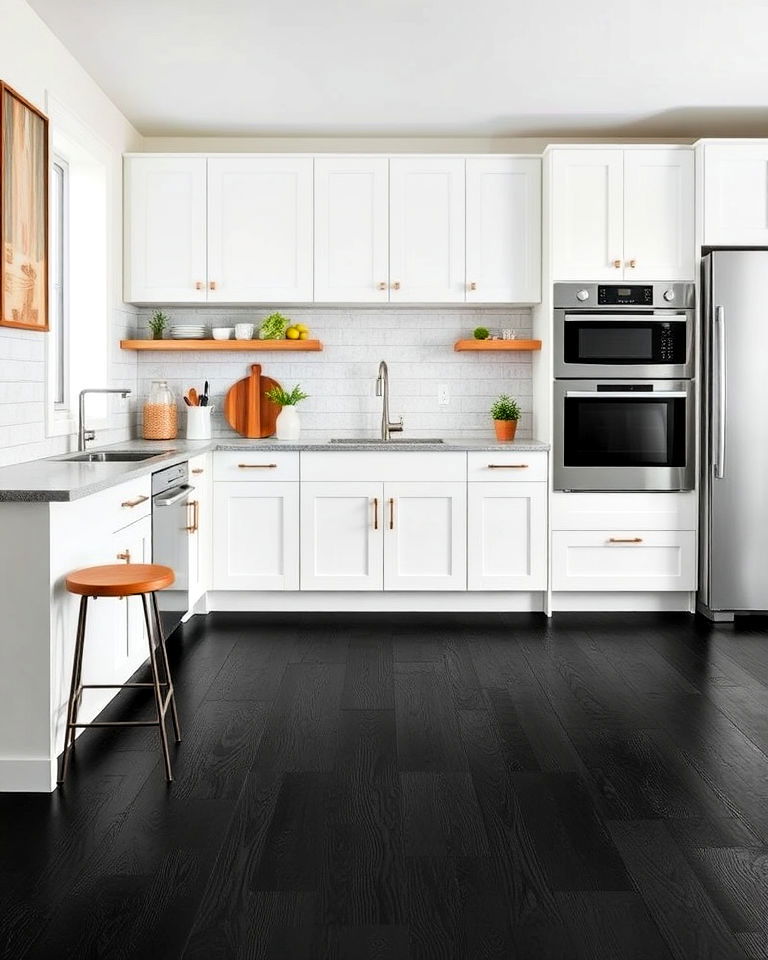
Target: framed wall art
{"x": 23, "y": 213}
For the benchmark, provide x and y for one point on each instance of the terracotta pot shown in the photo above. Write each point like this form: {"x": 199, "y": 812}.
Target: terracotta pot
{"x": 505, "y": 429}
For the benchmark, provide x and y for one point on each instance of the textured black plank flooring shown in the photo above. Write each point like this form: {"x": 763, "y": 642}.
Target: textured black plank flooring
{"x": 415, "y": 787}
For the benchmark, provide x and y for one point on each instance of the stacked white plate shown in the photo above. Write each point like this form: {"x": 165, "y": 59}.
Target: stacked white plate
{"x": 188, "y": 331}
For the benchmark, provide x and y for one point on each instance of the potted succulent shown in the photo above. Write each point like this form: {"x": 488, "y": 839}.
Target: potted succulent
{"x": 157, "y": 324}
{"x": 505, "y": 412}
{"x": 288, "y": 421}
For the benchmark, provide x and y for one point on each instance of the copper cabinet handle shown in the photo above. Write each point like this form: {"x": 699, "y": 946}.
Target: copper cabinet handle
{"x": 507, "y": 466}
{"x": 632, "y": 263}
{"x": 199, "y": 285}
{"x": 133, "y": 503}
{"x": 382, "y": 285}
{"x": 212, "y": 285}
{"x": 625, "y": 540}
{"x": 472, "y": 286}
{"x": 195, "y": 504}
{"x": 617, "y": 264}
{"x": 125, "y": 556}
{"x": 257, "y": 466}
{"x": 198, "y": 470}
{"x": 375, "y": 513}
{"x": 396, "y": 285}
{"x": 391, "y": 513}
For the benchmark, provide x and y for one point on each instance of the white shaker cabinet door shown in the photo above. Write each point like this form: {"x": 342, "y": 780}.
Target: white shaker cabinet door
{"x": 425, "y": 536}
{"x": 255, "y": 536}
{"x": 201, "y": 517}
{"x": 135, "y": 540}
{"x": 165, "y": 230}
{"x": 658, "y": 215}
{"x": 341, "y": 534}
{"x": 503, "y": 230}
{"x": 260, "y": 230}
{"x": 352, "y": 229}
{"x": 427, "y": 230}
{"x": 507, "y": 536}
{"x": 587, "y": 215}
{"x": 736, "y": 194}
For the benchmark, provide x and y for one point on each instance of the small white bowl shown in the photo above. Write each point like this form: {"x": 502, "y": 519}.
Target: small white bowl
{"x": 222, "y": 333}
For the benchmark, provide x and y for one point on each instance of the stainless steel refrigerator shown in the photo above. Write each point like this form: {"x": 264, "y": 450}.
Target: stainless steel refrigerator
{"x": 734, "y": 423}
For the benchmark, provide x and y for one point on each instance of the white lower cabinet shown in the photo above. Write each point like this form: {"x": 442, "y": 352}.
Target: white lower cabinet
{"x": 425, "y": 536}
{"x": 341, "y": 535}
{"x": 201, "y": 525}
{"x": 256, "y": 536}
{"x": 131, "y": 647}
{"x": 507, "y": 536}
{"x": 625, "y": 560}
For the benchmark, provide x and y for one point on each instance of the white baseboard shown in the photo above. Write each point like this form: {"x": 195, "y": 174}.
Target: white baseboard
{"x": 374, "y": 602}
{"x": 592, "y": 601}
{"x": 27, "y": 775}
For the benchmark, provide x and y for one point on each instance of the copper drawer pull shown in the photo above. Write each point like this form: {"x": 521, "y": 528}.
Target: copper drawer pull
{"x": 507, "y": 466}
{"x": 625, "y": 540}
{"x": 198, "y": 470}
{"x": 125, "y": 556}
{"x": 375, "y": 513}
{"x": 391, "y": 513}
{"x": 133, "y": 503}
{"x": 195, "y": 504}
{"x": 257, "y": 466}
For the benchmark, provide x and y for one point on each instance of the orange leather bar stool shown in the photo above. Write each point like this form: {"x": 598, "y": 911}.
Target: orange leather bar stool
{"x": 123, "y": 580}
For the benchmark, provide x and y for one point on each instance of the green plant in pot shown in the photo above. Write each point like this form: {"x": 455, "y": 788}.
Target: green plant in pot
{"x": 157, "y": 324}
{"x": 288, "y": 421}
{"x": 505, "y": 412}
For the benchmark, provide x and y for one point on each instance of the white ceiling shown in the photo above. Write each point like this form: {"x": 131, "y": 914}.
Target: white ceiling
{"x": 539, "y": 68}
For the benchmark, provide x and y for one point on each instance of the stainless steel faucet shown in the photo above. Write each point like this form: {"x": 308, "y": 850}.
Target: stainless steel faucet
{"x": 382, "y": 390}
{"x": 83, "y": 435}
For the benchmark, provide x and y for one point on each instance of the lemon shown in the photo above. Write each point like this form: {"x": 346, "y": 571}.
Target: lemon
{"x": 304, "y": 335}
{"x": 292, "y": 333}
{"x": 301, "y": 328}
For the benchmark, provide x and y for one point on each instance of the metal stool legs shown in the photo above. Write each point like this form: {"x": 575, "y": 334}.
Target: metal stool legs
{"x": 163, "y": 697}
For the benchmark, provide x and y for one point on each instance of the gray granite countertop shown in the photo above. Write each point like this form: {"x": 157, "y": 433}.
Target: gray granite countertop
{"x": 60, "y": 479}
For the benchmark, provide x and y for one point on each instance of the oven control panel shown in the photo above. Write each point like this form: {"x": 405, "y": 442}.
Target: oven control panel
{"x": 666, "y": 344}
{"x": 611, "y": 294}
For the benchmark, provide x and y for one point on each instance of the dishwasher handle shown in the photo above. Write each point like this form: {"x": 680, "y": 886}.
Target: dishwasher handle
{"x": 172, "y": 497}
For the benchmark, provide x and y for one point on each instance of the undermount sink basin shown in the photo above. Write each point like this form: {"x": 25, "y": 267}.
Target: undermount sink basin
{"x": 113, "y": 456}
{"x": 392, "y": 440}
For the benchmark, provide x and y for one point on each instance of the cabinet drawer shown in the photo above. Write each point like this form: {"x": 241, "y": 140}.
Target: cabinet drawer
{"x": 384, "y": 465}
{"x": 115, "y": 508}
{"x": 250, "y": 465}
{"x": 625, "y": 511}
{"x": 624, "y": 560}
{"x": 507, "y": 465}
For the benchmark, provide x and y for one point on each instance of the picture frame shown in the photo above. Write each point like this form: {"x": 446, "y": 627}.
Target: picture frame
{"x": 24, "y": 253}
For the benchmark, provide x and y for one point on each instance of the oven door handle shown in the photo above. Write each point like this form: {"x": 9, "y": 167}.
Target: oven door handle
{"x": 625, "y": 318}
{"x": 633, "y": 394}
{"x": 176, "y": 498}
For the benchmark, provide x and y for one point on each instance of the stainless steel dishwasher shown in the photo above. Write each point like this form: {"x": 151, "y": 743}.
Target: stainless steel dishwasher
{"x": 171, "y": 527}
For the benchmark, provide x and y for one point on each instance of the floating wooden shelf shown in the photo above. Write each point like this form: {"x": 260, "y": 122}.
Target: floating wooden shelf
{"x": 497, "y": 345}
{"x": 251, "y": 345}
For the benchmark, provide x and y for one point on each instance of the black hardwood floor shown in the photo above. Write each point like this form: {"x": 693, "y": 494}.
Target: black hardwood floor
{"x": 415, "y": 787}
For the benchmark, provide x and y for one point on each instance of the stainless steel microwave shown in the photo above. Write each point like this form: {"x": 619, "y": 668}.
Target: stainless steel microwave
{"x": 624, "y": 435}
{"x": 609, "y": 330}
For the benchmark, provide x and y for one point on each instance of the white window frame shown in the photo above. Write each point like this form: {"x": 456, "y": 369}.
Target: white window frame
{"x": 60, "y": 295}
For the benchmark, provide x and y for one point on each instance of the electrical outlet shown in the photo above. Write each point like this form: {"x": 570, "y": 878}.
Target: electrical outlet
{"x": 442, "y": 394}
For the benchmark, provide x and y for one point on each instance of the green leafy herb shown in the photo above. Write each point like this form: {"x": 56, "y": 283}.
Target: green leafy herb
{"x": 505, "y": 408}
{"x": 286, "y": 398}
{"x": 157, "y": 324}
{"x": 273, "y": 327}
{"x": 482, "y": 333}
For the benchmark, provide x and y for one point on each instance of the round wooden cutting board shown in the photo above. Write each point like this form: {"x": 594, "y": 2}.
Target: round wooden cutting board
{"x": 247, "y": 410}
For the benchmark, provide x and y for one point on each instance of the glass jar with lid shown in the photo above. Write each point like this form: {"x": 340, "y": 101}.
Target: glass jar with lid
{"x": 160, "y": 413}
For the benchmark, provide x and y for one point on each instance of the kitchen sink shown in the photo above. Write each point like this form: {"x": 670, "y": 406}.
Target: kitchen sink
{"x": 392, "y": 440}
{"x": 112, "y": 456}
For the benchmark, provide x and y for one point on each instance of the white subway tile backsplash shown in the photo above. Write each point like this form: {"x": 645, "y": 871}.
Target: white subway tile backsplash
{"x": 416, "y": 343}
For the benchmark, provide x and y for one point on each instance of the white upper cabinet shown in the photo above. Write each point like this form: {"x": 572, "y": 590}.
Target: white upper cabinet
{"x": 260, "y": 229}
{"x": 622, "y": 214}
{"x": 165, "y": 230}
{"x": 658, "y": 215}
{"x": 426, "y": 222}
{"x": 503, "y": 229}
{"x": 736, "y": 194}
{"x": 352, "y": 229}
{"x": 587, "y": 215}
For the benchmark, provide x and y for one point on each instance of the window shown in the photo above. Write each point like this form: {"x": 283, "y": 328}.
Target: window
{"x": 59, "y": 256}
